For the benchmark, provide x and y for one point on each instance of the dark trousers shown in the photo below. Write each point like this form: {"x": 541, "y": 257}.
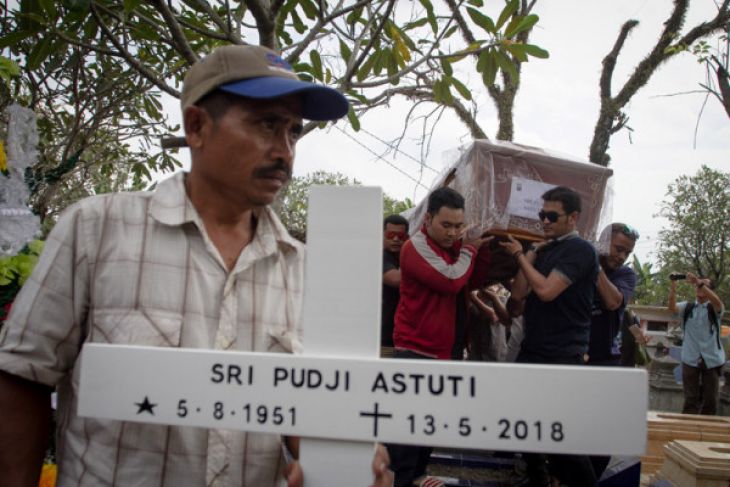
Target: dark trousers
{"x": 408, "y": 462}
{"x": 701, "y": 386}
{"x": 571, "y": 470}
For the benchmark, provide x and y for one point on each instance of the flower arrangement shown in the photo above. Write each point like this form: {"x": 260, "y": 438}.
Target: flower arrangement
{"x": 14, "y": 270}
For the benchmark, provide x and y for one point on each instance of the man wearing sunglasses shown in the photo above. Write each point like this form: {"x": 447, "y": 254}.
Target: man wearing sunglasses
{"x": 557, "y": 280}
{"x": 395, "y": 233}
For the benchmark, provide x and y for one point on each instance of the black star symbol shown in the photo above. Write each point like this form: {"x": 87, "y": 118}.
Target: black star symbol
{"x": 145, "y": 405}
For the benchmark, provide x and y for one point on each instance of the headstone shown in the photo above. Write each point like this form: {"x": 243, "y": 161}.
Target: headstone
{"x": 665, "y": 427}
{"x": 696, "y": 464}
{"x": 665, "y": 394}
{"x": 18, "y": 225}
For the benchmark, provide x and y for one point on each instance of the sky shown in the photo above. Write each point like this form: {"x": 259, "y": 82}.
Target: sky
{"x": 556, "y": 109}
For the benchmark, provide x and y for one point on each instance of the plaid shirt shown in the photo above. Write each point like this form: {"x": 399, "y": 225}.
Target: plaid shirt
{"x": 139, "y": 269}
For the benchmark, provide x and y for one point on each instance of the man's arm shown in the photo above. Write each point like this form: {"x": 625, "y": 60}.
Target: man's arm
{"x": 435, "y": 273}
{"x": 611, "y": 297}
{"x": 25, "y": 426}
{"x": 672, "y": 300}
{"x": 392, "y": 278}
{"x": 713, "y": 298}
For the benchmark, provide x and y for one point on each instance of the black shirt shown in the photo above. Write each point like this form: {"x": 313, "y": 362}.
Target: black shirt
{"x": 561, "y": 327}
{"x": 391, "y": 295}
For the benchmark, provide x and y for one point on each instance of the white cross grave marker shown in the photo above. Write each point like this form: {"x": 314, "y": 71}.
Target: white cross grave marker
{"x": 340, "y": 398}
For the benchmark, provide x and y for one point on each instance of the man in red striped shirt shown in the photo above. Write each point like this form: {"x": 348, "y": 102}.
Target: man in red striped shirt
{"x": 435, "y": 267}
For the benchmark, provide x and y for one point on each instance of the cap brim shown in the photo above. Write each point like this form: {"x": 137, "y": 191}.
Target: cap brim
{"x": 318, "y": 102}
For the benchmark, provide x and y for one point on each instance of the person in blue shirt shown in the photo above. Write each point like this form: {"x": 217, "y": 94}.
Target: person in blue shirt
{"x": 702, "y": 353}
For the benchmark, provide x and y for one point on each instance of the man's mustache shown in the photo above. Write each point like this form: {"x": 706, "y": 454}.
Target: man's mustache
{"x": 271, "y": 171}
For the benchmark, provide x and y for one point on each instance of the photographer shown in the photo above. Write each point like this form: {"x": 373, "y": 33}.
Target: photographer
{"x": 702, "y": 353}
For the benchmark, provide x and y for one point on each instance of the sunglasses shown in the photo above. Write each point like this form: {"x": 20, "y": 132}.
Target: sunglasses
{"x": 630, "y": 231}
{"x": 391, "y": 235}
{"x": 552, "y": 216}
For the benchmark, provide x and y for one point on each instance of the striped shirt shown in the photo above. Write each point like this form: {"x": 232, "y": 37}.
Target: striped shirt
{"x": 139, "y": 269}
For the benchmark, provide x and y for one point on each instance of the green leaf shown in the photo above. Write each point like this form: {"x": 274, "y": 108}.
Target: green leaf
{"x": 505, "y": 64}
{"x": 355, "y": 16}
{"x": 415, "y": 24}
{"x": 507, "y": 12}
{"x": 354, "y": 122}
{"x": 482, "y": 61}
{"x": 36, "y": 246}
{"x": 518, "y": 51}
{"x": 130, "y": 5}
{"x": 316, "y": 64}
{"x": 49, "y": 6}
{"x": 381, "y": 58}
{"x": 489, "y": 75}
{"x": 446, "y": 67}
{"x": 310, "y": 9}
{"x": 13, "y": 38}
{"x": 78, "y": 5}
{"x": 298, "y": 24}
{"x": 8, "y": 68}
{"x": 40, "y": 53}
{"x": 345, "y": 51}
{"x": 461, "y": 88}
{"x": 365, "y": 68}
{"x": 430, "y": 15}
{"x": 524, "y": 23}
{"x": 482, "y": 20}
{"x": 451, "y": 31}
{"x": 536, "y": 51}
{"x": 476, "y": 3}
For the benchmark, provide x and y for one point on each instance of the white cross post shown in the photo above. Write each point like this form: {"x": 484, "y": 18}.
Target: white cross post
{"x": 341, "y": 398}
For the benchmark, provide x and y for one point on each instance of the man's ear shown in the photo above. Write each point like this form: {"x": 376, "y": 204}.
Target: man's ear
{"x": 195, "y": 120}
{"x": 573, "y": 217}
{"x": 428, "y": 218}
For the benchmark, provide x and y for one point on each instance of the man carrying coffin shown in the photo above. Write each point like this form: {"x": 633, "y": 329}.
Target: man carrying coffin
{"x": 201, "y": 262}
{"x": 558, "y": 281}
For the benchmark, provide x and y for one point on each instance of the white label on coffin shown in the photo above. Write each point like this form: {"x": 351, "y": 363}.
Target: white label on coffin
{"x": 525, "y": 197}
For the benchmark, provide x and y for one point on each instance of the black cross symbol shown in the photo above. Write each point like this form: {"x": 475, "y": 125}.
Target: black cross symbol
{"x": 376, "y": 415}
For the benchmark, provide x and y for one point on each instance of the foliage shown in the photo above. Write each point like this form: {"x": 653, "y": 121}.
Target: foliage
{"x": 291, "y": 204}
{"x": 649, "y": 290}
{"x": 15, "y": 270}
{"x": 697, "y": 238}
{"x": 392, "y": 205}
{"x": 95, "y": 69}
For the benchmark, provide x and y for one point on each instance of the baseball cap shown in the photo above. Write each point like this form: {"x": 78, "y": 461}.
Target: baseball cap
{"x": 260, "y": 73}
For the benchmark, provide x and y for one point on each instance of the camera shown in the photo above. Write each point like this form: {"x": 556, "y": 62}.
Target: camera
{"x": 677, "y": 277}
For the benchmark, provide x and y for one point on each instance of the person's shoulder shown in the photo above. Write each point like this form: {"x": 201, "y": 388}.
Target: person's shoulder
{"x": 625, "y": 273}
{"x": 107, "y": 205}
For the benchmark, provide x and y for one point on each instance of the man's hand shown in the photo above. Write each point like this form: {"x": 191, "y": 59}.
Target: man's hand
{"x": 512, "y": 245}
{"x": 294, "y": 475}
{"x": 639, "y": 336}
{"x": 478, "y": 242}
{"x": 384, "y": 477}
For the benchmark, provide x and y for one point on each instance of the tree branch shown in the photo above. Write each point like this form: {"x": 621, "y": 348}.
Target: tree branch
{"x": 178, "y": 36}
{"x": 133, "y": 61}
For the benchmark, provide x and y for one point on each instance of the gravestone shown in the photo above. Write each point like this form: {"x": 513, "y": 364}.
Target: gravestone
{"x": 342, "y": 398}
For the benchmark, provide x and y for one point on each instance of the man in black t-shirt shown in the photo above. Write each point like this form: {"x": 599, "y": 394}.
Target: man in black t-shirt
{"x": 395, "y": 233}
{"x": 558, "y": 281}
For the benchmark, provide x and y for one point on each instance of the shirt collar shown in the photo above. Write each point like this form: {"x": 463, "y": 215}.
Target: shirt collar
{"x": 171, "y": 206}
{"x": 567, "y": 236}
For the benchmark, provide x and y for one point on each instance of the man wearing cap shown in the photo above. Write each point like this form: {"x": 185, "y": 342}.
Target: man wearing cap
{"x": 201, "y": 262}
